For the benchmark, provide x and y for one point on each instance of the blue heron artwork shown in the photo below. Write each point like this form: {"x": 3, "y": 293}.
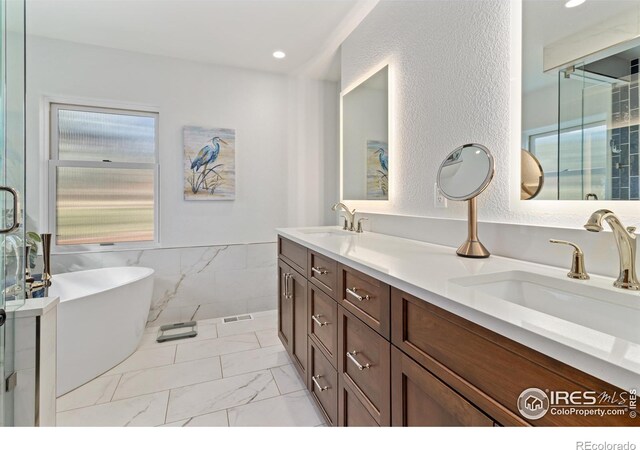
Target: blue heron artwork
{"x": 377, "y": 170}
{"x": 209, "y": 163}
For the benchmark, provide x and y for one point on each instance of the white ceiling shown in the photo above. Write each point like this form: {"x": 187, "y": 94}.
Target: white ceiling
{"x": 547, "y": 21}
{"x": 238, "y": 33}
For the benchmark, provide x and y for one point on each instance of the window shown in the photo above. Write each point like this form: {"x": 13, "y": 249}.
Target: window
{"x": 103, "y": 175}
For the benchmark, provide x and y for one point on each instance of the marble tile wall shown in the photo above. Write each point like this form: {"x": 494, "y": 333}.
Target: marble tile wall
{"x": 194, "y": 283}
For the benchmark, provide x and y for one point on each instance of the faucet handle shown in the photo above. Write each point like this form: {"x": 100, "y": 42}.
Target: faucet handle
{"x": 360, "y": 230}
{"x": 631, "y": 230}
{"x": 578, "y": 271}
{"x": 346, "y": 222}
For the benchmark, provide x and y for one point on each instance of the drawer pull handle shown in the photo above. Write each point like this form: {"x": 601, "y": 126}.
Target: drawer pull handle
{"x": 316, "y": 319}
{"x": 319, "y": 270}
{"x": 352, "y": 357}
{"x": 353, "y": 292}
{"x": 315, "y": 381}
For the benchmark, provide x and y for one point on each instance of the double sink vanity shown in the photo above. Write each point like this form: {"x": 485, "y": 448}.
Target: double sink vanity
{"x": 387, "y": 331}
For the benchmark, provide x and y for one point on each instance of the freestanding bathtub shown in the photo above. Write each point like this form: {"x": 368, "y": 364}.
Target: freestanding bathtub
{"x": 101, "y": 319}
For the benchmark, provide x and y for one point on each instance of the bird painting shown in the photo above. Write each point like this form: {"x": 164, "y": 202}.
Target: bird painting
{"x": 383, "y": 156}
{"x": 377, "y": 170}
{"x": 209, "y": 163}
{"x": 208, "y": 154}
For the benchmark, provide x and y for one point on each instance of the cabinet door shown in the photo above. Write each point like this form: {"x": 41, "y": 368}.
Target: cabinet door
{"x": 297, "y": 290}
{"x": 351, "y": 412}
{"x": 420, "y": 399}
{"x": 285, "y": 307}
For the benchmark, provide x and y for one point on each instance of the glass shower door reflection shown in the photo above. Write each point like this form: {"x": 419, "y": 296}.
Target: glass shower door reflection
{"x": 12, "y": 187}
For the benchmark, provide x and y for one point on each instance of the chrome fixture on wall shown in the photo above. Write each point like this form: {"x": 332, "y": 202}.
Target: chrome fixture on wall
{"x": 626, "y": 243}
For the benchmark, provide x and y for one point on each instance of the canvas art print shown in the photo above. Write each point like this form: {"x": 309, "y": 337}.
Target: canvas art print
{"x": 209, "y": 163}
{"x": 377, "y": 170}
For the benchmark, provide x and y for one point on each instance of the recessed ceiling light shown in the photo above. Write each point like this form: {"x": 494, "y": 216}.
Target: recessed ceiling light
{"x": 279, "y": 54}
{"x": 574, "y": 3}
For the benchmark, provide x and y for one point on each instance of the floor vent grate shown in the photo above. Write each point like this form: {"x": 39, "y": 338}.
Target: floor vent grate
{"x": 237, "y": 318}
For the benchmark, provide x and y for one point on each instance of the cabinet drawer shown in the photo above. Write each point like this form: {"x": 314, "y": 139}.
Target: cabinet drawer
{"x": 351, "y": 413}
{"x": 365, "y": 297}
{"x": 422, "y": 400}
{"x": 364, "y": 364}
{"x": 488, "y": 369}
{"x": 323, "y": 322}
{"x": 294, "y": 254}
{"x": 322, "y": 271}
{"x": 323, "y": 383}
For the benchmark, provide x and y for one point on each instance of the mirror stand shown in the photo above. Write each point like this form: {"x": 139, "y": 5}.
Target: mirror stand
{"x": 472, "y": 247}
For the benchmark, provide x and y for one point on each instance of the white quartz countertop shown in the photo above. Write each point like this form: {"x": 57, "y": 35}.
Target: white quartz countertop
{"x": 427, "y": 270}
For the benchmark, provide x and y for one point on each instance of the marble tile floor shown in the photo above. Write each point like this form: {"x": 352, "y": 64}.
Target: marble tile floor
{"x": 235, "y": 374}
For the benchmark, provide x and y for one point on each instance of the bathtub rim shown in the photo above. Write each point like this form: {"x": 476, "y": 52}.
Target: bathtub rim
{"x": 145, "y": 272}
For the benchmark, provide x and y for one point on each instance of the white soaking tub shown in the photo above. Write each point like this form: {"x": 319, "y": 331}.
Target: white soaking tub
{"x": 101, "y": 320}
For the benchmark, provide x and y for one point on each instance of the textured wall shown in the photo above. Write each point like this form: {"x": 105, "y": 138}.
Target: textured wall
{"x": 449, "y": 63}
{"x": 455, "y": 78}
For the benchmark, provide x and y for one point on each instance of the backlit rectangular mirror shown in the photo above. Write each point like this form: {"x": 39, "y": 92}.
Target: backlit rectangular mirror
{"x": 580, "y": 100}
{"x": 365, "y": 139}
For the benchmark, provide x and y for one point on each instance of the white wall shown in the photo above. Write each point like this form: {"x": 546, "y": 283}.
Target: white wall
{"x": 256, "y": 104}
{"x": 286, "y": 132}
{"x": 454, "y": 79}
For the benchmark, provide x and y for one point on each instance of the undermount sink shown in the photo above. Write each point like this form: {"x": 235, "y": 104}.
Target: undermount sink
{"x": 606, "y": 310}
{"x": 325, "y": 232}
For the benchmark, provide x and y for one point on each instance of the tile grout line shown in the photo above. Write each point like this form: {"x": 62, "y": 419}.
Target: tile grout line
{"x": 114, "y": 401}
{"x": 275, "y": 381}
{"x": 178, "y": 362}
{"x": 166, "y": 410}
{"x": 177, "y": 387}
{"x": 117, "y": 386}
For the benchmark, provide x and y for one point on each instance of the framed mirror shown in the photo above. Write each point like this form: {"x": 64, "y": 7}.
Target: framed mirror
{"x": 580, "y": 97}
{"x": 365, "y": 160}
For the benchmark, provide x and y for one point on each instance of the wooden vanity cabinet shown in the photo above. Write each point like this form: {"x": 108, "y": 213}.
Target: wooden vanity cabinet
{"x": 373, "y": 355}
{"x": 292, "y": 313}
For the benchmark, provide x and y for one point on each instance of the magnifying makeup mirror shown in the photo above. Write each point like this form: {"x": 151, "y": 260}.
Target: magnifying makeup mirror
{"x": 531, "y": 176}
{"x": 464, "y": 174}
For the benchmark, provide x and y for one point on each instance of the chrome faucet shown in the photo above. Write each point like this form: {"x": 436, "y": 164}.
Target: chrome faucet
{"x": 351, "y": 215}
{"x": 626, "y": 242}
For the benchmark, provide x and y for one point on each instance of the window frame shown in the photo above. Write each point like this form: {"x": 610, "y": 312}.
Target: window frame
{"x": 54, "y": 162}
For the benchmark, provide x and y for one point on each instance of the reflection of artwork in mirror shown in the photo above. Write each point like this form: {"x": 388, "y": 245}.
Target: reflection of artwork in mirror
{"x": 365, "y": 138}
{"x": 377, "y": 170}
{"x": 580, "y": 98}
